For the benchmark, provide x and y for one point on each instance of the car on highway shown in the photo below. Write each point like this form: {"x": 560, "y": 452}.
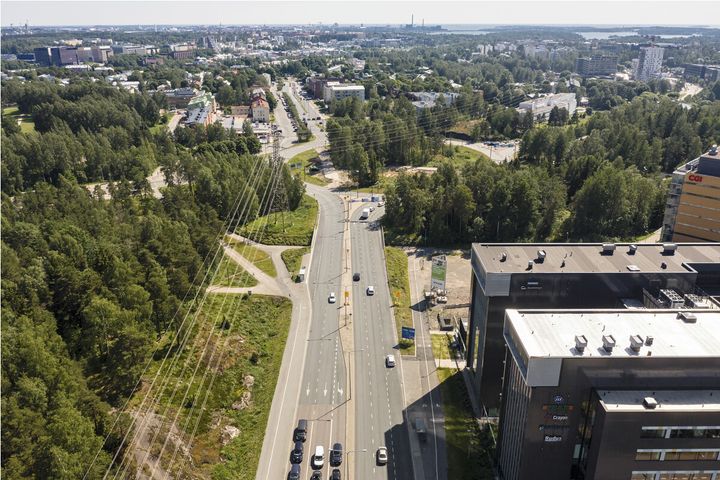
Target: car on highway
{"x": 316, "y": 475}
{"x": 335, "y": 474}
{"x": 296, "y": 456}
{"x": 294, "y": 473}
{"x": 331, "y": 298}
{"x": 382, "y": 456}
{"x": 318, "y": 460}
{"x": 356, "y": 276}
{"x": 336, "y": 454}
{"x": 370, "y": 291}
{"x": 390, "y": 361}
{"x": 300, "y": 433}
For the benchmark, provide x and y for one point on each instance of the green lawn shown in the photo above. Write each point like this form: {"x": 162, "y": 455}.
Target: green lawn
{"x": 230, "y": 274}
{"x": 299, "y": 225}
{"x": 249, "y": 339}
{"x": 257, "y": 257}
{"x": 379, "y": 187}
{"x": 440, "y": 345}
{"x": 304, "y": 159}
{"x": 26, "y": 124}
{"x": 469, "y": 448}
{"x": 461, "y": 156}
{"x": 292, "y": 258}
{"x": 399, "y": 284}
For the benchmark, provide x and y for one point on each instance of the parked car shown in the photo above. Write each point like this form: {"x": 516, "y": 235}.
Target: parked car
{"x": 294, "y": 473}
{"x": 318, "y": 460}
{"x": 382, "y": 456}
{"x": 390, "y": 361}
{"x": 336, "y": 455}
{"x": 356, "y": 276}
{"x": 316, "y": 475}
{"x": 296, "y": 456}
{"x": 335, "y": 474}
{"x": 300, "y": 433}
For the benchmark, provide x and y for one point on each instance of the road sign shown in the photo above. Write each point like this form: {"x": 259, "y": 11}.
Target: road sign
{"x": 408, "y": 333}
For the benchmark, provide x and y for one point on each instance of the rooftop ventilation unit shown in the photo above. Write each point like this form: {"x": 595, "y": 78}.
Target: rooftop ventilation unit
{"x": 650, "y": 403}
{"x": 669, "y": 248}
{"x": 649, "y": 340}
{"x": 671, "y": 299}
{"x": 580, "y": 343}
{"x": 695, "y": 301}
{"x": 632, "y": 249}
{"x": 541, "y": 255}
{"x": 503, "y": 256}
{"x": 530, "y": 264}
{"x": 636, "y": 343}
{"x": 687, "y": 317}
{"x": 608, "y": 248}
{"x": 608, "y": 343}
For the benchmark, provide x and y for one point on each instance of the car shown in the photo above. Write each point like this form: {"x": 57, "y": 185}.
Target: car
{"x": 336, "y": 455}
{"x": 318, "y": 460}
{"x": 381, "y": 204}
{"x": 294, "y": 473}
{"x": 381, "y": 456}
{"x": 335, "y": 474}
{"x": 331, "y": 298}
{"x": 372, "y": 209}
{"x": 370, "y": 291}
{"x": 296, "y": 456}
{"x": 356, "y": 276}
{"x": 300, "y": 433}
{"x": 390, "y": 361}
{"x": 316, "y": 475}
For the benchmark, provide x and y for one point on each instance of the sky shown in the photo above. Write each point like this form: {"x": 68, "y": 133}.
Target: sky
{"x": 184, "y": 12}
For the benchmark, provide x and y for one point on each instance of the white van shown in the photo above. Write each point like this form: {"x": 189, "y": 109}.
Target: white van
{"x": 318, "y": 459}
{"x": 301, "y": 274}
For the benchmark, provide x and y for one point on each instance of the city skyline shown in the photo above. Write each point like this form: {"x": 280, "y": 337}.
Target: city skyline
{"x": 526, "y": 12}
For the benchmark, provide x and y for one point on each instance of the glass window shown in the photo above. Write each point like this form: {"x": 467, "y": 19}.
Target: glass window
{"x": 707, "y": 455}
{"x": 675, "y": 476}
{"x": 652, "y": 432}
{"x": 647, "y": 455}
{"x": 642, "y": 476}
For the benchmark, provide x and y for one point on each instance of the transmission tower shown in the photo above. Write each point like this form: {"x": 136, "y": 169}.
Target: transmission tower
{"x": 280, "y": 197}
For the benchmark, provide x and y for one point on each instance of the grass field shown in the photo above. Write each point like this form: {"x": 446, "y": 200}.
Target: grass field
{"x": 440, "y": 345}
{"x": 299, "y": 225}
{"x": 248, "y": 339}
{"x": 397, "y": 270}
{"x": 304, "y": 159}
{"x": 468, "y": 446}
{"x": 292, "y": 258}
{"x": 254, "y": 255}
{"x": 461, "y": 156}
{"x": 12, "y": 114}
{"x": 230, "y": 274}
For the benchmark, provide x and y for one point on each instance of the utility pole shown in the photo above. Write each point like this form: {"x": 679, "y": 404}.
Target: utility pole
{"x": 280, "y": 198}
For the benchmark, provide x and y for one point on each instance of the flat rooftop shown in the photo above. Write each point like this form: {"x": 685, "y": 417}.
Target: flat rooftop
{"x": 551, "y": 333}
{"x": 667, "y": 400}
{"x": 589, "y": 257}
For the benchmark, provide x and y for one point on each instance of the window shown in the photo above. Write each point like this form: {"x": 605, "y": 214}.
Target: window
{"x": 653, "y": 432}
{"x": 676, "y": 475}
{"x": 644, "y": 455}
{"x": 691, "y": 455}
{"x": 695, "y": 432}
{"x": 642, "y": 476}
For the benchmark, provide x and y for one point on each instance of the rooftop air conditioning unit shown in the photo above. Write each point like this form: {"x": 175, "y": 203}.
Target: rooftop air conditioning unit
{"x": 580, "y": 343}
{"x": 687, "y": 317}
{"x": 650, "y": 403}
{"x": 608, "y": 343}
{"x": 541, "y": 255}
{"x": 636, "y": 343}
{"x": 632, "y": 249}
{"x": 669, "y": 248}
{"x": 608, "y": 248}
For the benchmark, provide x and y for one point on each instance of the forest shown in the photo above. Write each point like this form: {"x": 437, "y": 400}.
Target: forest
{"x": 90, "y": 285}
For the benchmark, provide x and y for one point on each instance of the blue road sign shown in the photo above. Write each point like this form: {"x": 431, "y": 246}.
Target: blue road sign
{"x": 408, "y": 333}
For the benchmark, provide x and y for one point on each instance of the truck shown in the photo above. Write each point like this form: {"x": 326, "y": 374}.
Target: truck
{"x": 364, "y": 214}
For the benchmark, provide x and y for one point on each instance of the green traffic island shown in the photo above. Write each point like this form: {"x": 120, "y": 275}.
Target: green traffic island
{"x": 292, "y": 257}
{"x": 293, "y": 228}
{"x": 399, "y": 285}
{"x": 305, "y": 166}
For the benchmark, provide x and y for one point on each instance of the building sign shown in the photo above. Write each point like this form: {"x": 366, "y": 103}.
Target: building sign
{"x": 693, "y": 177}
{"x": 553, "y": 438}
{"x": 439, "y": 270}
{"x": 408, "y": 333}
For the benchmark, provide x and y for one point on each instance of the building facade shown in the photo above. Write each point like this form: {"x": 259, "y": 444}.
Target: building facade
{"x": 649, "y": 63}
{"x": 260, "y": 110}
{"x": 597, "y": 65}
{"x": 692, "y": 210}
{"x": 542, "y": 106}
{"x": 569, "y": 275}
{"x": 611, "y": 395}
{"x": 332, "y": 92}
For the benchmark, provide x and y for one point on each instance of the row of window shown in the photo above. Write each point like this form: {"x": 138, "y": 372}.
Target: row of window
{"x": 671, "y": 455}
{"x": 680, "y": 432}
{"x": 682, "y": 475}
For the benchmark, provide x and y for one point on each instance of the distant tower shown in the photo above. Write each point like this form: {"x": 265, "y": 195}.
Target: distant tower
{"x": 412, "y": 20}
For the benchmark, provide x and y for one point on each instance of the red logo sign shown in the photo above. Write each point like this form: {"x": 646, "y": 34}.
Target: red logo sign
{"x": 695, "y": 178}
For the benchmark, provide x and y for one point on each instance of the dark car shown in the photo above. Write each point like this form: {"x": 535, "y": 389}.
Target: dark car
{"x": 300, "y": 433}
{"x": 356, "y": 276}
{"x": 296, "y": 456}
{"x": 294, "y": 473}
{"x": 335, "y": 474}
{"x": 336, "y": 454}
{"x": 316, "y": 475}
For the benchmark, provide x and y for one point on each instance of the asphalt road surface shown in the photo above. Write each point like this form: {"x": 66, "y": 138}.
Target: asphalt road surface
{"x": 378, "y": 391}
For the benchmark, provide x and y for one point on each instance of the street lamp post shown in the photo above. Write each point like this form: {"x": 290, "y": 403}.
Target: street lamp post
{"x": 348, "y": 460}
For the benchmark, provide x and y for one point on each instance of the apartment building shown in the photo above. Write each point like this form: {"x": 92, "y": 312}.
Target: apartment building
{"x": 648, "y": 63}
{"x": 335, "y": 91}
{"x": 542, "y": 106}
{"x": 260, "y": 110}
{"x": 692, "y": 210}
{"x": 611, "y": 395}
{"x": 597, "y": 65}
{"x": 563, "y": 276}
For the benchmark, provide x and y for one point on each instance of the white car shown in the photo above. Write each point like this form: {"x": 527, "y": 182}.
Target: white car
{"x": 371, "y": 291}
{"x": 331, "y": 298}
{"x": 390, "y": 361}
{"x": 381, "y": 204}
{"x": 382, "y": 457}
{"x": 318, "y": 460}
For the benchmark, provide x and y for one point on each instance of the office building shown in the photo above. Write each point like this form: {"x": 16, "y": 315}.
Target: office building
{"x": 180, "y": 97}
{"x": 43, "y": 56}
{"x": 692, "y": 210}
{"x": 694, "y": 71}
{"x": 649, "y": 63}
{"x": 129, "y": 50}
{"x": 597, "y": 66}
{"x": 333, "y": 91}
{"x": 542, "y": 106}
{"x": 570, "y": 275}
{"x": 611, "y": 395}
